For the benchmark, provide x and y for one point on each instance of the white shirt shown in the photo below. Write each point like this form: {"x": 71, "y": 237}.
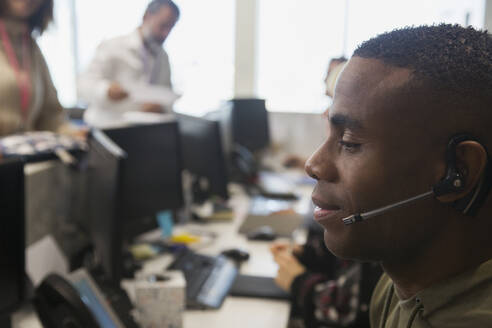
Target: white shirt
{"x": 129, "y": 62}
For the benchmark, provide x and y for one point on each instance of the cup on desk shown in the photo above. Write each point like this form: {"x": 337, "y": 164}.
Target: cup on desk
{"x": 160, "y": 299}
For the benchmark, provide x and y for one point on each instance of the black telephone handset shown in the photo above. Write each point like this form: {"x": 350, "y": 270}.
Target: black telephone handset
{"x": 59, "y": 305}
{"x": 76, "y": 301}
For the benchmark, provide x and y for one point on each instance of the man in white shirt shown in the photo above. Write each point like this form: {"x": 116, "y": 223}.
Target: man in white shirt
{"x": 128, "y": 63}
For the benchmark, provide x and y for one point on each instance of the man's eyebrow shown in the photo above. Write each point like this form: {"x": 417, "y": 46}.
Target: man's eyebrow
{"x": 343, "y": 121}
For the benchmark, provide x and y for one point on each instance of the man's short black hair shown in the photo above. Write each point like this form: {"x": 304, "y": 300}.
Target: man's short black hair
{"x": 155, "y": 5}
{"x": 449, "y": 58}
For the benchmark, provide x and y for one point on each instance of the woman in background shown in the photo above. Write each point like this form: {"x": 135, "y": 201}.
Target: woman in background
{"x": 28, "y": 99}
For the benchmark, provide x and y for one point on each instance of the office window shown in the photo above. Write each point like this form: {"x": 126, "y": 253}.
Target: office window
{"x": 201, "y": 50}
{"x": 369, "y": 18}
{"x": 297, "y": 38}
{"x": 57, "y": 46}
{"x": 200, "y": 46}
{"x": 101, "y": 20}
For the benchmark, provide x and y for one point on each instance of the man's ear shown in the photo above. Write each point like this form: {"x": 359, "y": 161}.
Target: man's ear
{"x": 471, "y": 159}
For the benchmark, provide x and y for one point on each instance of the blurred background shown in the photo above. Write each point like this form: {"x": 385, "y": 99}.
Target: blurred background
{"x": 220, "y": 49}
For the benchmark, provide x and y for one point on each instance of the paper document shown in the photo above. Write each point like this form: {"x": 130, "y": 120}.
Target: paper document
{"x": 147, "y": 118}
{"x": 145, "y": 93}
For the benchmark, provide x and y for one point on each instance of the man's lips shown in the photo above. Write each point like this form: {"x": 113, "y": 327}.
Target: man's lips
{"x": 324, "y": 211}
{"x": 321, "y": 214}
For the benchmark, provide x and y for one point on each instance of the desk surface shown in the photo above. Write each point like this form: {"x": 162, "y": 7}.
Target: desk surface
{"x": 236, "y": 311}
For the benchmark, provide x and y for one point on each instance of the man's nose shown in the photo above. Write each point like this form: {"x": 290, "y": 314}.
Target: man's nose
{"x": 320, "y": 165}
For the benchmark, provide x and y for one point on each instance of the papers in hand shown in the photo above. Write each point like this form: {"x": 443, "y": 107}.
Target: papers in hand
{"x": 135, "y": 117}
{"x": 146, "y": 93}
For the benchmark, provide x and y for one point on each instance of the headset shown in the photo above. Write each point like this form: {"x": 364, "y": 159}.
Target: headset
{"x": 453, "y": 181}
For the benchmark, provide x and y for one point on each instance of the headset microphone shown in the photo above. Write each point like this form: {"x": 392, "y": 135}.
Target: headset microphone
{"x": 452, "y": 182}
{"x": 367, "y": 215}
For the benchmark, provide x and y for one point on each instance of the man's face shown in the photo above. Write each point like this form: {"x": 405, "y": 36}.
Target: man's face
{"x": 376, "y": 153}
{"x": 160, "y": 24}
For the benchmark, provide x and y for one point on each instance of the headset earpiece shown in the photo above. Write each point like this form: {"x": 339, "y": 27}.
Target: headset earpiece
{"x": 454, "y": 180}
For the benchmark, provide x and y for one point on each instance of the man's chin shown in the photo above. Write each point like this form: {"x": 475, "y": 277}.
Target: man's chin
{"x": 348, "y": 249}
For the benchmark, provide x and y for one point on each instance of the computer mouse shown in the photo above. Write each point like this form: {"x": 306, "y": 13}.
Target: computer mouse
{"x": 264, "y": 233}
{"x": 236, "y": 254}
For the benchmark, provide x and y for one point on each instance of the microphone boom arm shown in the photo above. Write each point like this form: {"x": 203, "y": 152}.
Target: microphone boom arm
{"x": 359, "y": 217}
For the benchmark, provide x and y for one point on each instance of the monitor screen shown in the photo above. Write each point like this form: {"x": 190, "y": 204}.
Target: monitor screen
{"x": 12, "y": 239}
{"x": 152, "y": 177}
{"x": 203, "y": 156}
{"x": 95, "y": 305}
{"x": 106, "y": 165}
{"x": 249, "y": 123}
{"x": 94, "y": 299}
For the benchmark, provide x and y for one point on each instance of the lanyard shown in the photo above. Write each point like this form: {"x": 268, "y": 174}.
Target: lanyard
{"x": 22, "y": 74}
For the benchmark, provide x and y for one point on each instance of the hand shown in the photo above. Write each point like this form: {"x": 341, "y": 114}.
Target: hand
{"x": 77, "y": 132}
{"x": 288, "y": 269}
{"x": 80, "y": 133}
{"x": 152, "y": 108}
{"x": 116, "y": 92}
{"x": 279, "y": 246}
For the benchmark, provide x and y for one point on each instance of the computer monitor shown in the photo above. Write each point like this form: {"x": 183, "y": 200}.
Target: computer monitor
{"x": 152, "y": 176}
{"x": 242, "y": 164}
{"x": 249, "y": 123}
{"x": 203, "y": 156}
{"x": 12, "y": 238}
{"x": 105, "y": 175}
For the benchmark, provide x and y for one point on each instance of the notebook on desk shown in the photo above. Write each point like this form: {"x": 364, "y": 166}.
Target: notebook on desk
{"x": 276, "y": 185}
{"x": 275, "y": 213}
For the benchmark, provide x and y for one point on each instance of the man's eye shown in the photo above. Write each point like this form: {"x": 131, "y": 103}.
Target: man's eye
{"x": 349, "y": 146}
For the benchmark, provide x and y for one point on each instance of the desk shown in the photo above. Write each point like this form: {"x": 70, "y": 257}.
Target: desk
{"x": 236, "y": 312}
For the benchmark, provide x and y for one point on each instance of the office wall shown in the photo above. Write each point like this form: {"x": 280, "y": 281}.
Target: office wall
{"x": 488, "y": 15}
{"x": 245, "y": 49}
{"x": 297, "y": 133}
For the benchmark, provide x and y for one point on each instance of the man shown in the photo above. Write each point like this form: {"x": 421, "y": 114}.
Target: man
{"x": 137, "y": 59}
{"x": 398, "y": 103}
{"x": 325, "y": 291}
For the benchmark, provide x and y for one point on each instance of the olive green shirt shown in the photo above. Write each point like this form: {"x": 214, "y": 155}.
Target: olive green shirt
{"x": 462, "y": 301}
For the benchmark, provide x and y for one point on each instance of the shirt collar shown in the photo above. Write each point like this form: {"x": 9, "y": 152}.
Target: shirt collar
{"x": 137, "y": 43}
{"x": 439, "y": 295}
{"x": 135, "y": 40}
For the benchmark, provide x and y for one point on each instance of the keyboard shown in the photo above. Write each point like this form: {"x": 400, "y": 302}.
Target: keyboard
{"x": 208, "y": 278}
{"x": 257, "y": 286}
